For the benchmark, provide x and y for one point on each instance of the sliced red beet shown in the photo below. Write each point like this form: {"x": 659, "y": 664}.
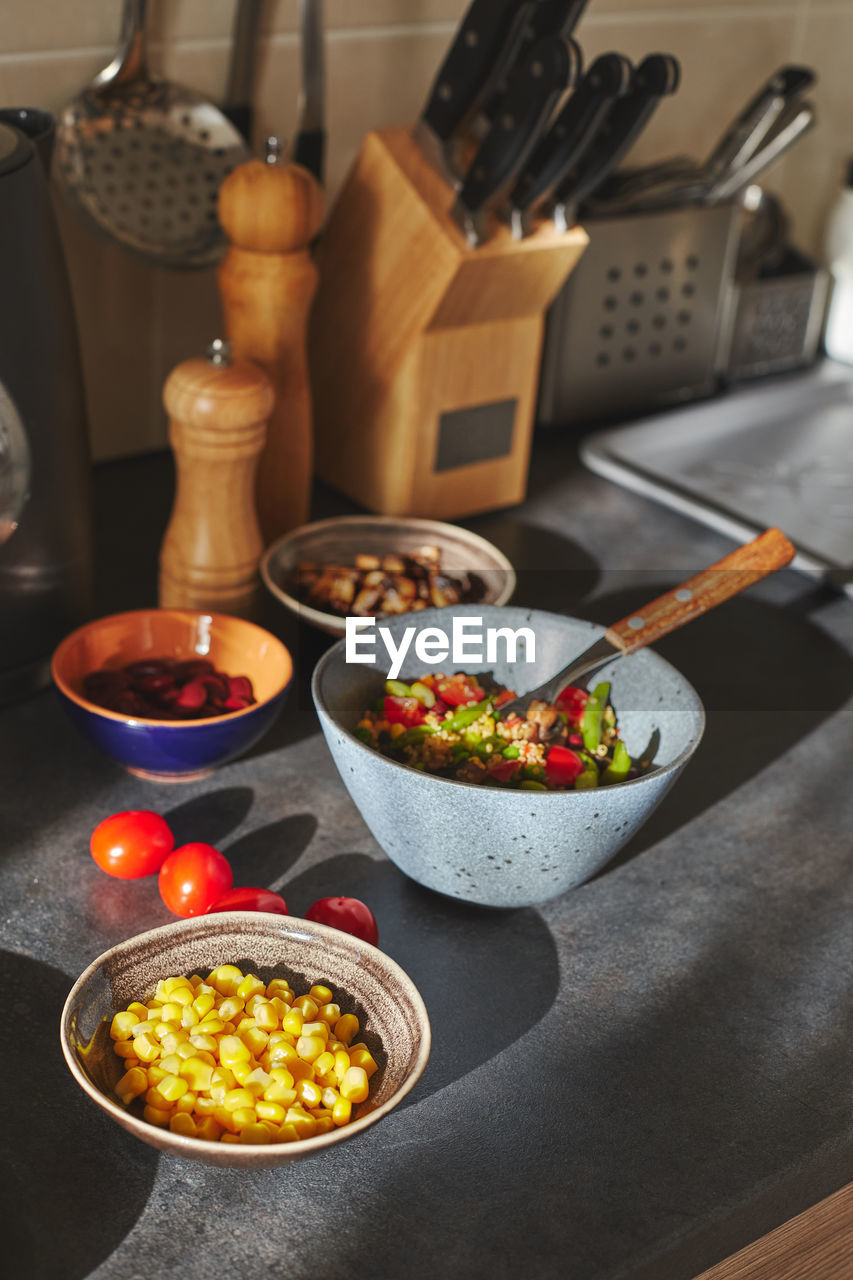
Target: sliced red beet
{"x": 193, "y": 696}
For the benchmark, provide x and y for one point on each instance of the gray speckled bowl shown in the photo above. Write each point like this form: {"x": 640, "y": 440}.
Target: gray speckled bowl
{"x": 505, "y": 848}
{"x": 394, "y": 1021}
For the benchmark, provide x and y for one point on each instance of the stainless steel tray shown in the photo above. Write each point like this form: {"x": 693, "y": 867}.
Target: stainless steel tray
{"x": 779, "y": 453}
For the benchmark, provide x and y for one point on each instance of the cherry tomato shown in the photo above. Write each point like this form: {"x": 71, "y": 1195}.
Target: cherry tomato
{"x": 562, "y": 766}
{"x": 347, "y": 914}
{"x": 247, "y": 898}
{"x": 573, "y": 701}
{"x": 131, "y": 844}
{"x": 458, "y": 691}
{"x": 405, "y": 711}
{"x": 194, "y": 877}
{"x": 504, "y": 770}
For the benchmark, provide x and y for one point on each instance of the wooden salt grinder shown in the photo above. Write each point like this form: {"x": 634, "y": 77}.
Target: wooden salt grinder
{"x": 218, "y": 412}
{"x": 271, "y": 212}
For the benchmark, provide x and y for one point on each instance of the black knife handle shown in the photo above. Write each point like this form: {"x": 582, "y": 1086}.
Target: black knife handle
{"x": 529, "y": 100}
{"x": 547, "y": 18}
{"x": 485, "y": 30}
{"x": 758, "y": 116}
{"x": 574, "y": 130}
{"x": 656, "y": 77}
{"x": 309, "y": 150}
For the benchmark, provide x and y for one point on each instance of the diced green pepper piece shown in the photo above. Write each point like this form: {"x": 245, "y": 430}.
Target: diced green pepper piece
{"x": 466, "y": 715}
{"x": 424, "y": 694}
{"x": 587, "y": 780}
{"x": 511, "y": 752}
{"x": 618, "y": 768}
{"x": 592, "y": 712}
{"x": 458, "y": 750}
{"x": 530, "y": 784}
{"x": 363, "y": 735}
{"x": 397, "y": 689}
{"x": 417, "y": 733}
{"x": 534, "y": 771}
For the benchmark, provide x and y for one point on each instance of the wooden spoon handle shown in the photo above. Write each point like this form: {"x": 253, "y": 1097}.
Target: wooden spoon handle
{"x": 771, "y": 550}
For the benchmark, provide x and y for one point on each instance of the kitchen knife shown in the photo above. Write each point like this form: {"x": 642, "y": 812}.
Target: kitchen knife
{"x": 309, "y": 146}
{"x": 550, "y": 68}
{"x": 570, "y": 135}
{"x": 241, "y": 69}
{"x": 485, "y": 42}
{"x": 756, "y": 120}
{"x": 548, "y": 18}
{"x": 656, "y": 77}
{"x": 790, "y": 128}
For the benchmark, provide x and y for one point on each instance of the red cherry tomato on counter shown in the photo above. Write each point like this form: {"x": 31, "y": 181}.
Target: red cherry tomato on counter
{"x": 247, "y": 898}
{"x": 405, "y": 711}
{"x": 347, "y": 914}
{"x": 132, "y": 844}
{"x": 573, "y": 701}
{"x": 194, "y": 877}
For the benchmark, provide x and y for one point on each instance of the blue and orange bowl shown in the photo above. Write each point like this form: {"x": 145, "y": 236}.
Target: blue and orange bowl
{"x": 173, "y": 750}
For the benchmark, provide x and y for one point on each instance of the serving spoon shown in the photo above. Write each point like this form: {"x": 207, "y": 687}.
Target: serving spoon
{"x": 765, "y": 554}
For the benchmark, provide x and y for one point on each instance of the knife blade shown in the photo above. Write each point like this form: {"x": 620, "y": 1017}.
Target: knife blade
{"x": 656, "y": 77}
{"x": 756, "y": 120}
{"x": 486, "y": 39}
{"x": 568, "y": 138}
{"x": 309, "y": 146}
{"x": 550, "y": 68}
{"x": 790, "y": 127}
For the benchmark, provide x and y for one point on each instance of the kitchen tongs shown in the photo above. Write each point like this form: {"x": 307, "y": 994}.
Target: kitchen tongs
{"x": 765, "y": 554}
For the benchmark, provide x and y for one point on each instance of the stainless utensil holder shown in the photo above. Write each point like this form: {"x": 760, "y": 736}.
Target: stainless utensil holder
{"x": 637, "y": 324}
{"x": 774, "y": 323}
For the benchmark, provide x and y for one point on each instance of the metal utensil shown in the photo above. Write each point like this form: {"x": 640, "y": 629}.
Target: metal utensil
{"x": 754, "y": 123}
{"x": 237, "y": 106}
{"x": 740, "y": 569}
{"x": 309, "y": 147}
{"x": 142, "y": 159}
{"x": 774, "y": 148}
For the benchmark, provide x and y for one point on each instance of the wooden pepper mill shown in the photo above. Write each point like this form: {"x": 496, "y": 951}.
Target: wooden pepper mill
{"x": 218, "y": 411}
{"x": 271, "y": 212}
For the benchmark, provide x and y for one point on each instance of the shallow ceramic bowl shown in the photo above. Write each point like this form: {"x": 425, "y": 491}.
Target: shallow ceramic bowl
{"x": 338, "y": 540}
{"x": 394, "y": 1021}
{"x": 173, "y": 750}
{"x": 494, "y": 846}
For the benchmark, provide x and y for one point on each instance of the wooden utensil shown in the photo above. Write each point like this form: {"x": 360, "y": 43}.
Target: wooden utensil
{"x": 765, "y": 554}
{"x": 218, "y": 411}
{"x": 271, "y": 212}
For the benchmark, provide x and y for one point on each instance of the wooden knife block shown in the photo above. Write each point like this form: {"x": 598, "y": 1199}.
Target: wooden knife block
{"x": 424, "y": 352}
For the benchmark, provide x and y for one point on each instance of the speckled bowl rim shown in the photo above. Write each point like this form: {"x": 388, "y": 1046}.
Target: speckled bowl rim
{"x": 331, "y": 622}
{"x": 261, "y": 1154}
{"x": 538, "y": 797}
{"x": 118, "y": 717}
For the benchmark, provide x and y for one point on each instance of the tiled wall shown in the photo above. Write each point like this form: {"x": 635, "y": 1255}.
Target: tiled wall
{"x": 137, "y": 322}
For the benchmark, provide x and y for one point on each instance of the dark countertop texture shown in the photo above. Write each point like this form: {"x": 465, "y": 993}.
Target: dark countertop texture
{"x": 627, "y": 1083}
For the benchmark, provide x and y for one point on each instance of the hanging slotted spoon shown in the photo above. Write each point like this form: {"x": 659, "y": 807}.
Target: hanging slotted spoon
{"x": 142, "y": 159}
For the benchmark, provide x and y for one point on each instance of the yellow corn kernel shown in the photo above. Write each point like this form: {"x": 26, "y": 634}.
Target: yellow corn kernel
{"x": 309, "y": 1093}
{"x": 132, "y": 1085}
{"x": 154, "y": 1115}
{"x": 251, "y": 986}
{"x": 342, "y": 1111}
{"x": 211, "y": 1024}
{"x": 292, "y": 1021}
{"x": 226, "y": 979}
{"x": 124, "y": 1049}
{"x": 229, "y": 1137}
{"x": 154, "y": 1098}
{"x": 304, "y": 1124}
{"x": 282, "y": 1093}
{"x": 185, "y": 1051}
{"x": 222, "y": 1075}
{"x": 225, "y": 1118}
{"x": 205, "y": 1105}
{"x": 204, "y": 1003}
{"x": 189, "y": 1017}
{"x": 264, "y": 1060}
{"x": 365, "y": 1059}
{"x": 346, "y": 1027}
{"x": 282, "y": 1052}
{"x": 243, "y": 1116}
{"x": 342, "y": 1064}
{"x": 209, "y": 1129}
{"x": 156, "y": 1073}
{"x": 198, "y": 1074}
{"x": 182, "y": 996}
{"x": 167, "y": 985}
{"x": 172, "y": 1042}
{"x": 307, "y": 1007}
{"x": 329, "y": 1013}
{"x": 153, "y": 1005}
{"x": 256, "y": 1081}
{"x": 171, "y": 1012}
{"x": 320, "y": 993}
{"x": 359, "y": 1045}
{"x": 354, "y": 1085}
{"x": 281, "y": 988}
{"x": 270, "y": 1111}
{"x": 242, "y": 1070}
{"x": 146, "y": 1028}
{"x": 170, "y": 1064}
{"x": 325, "y": 1124}
{"x": 235, "y": 1098}
{"x": 183, "y": 1124}
{"x": 172, "y": 1088}
{"x": 139, "y": 1009}
{"x": 205, "y": 1042}
{"x": 266, "y": 1017}
{"x": 281, "y": 1007}
{"x": 255, "y": 1134}
{"x": 310, "y": 1047}
{"x": 187, "y": 1102}
{"x": 232, "y": 1049}
{"x": 256, "y": 1039}
{"x": 281, "y": 1075}
{"x": 231, "y": 1009}
{"x": 194, "y": 980}
{"x": 330, "y": 1097}
{"x": 146, "y": 1048}
{"x": 316, "y": 1028}
{"x": 287, "y": 1133}
{"x": 324, "y": 1065}
{"x": 122, "y": 1026}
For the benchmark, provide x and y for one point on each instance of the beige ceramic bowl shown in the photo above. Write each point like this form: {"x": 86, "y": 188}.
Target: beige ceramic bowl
{"x": 338, "y": 540}
{"x": 393, "y": 1018}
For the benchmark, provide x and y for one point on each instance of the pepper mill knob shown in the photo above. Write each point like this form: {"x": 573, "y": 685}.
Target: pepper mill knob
{"x": 270, "y": 206}
{"x": 218, "y": 410}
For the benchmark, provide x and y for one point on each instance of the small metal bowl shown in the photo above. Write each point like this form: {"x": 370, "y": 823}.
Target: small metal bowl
{"x": 393, "y": 1017}
{"x": 339, "y": 540}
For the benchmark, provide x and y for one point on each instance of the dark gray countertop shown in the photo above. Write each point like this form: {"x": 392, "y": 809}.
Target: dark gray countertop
{"x": 629, "y": 1082}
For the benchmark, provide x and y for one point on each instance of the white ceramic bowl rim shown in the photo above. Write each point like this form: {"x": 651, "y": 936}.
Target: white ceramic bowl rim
{"x": 584, "y": 797}
{"x": 142, "y": 1128}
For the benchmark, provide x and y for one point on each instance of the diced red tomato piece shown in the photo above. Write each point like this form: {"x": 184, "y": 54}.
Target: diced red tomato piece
{"x": 457, "y": 691}
{"x": 572, "y": 701}
{"x": 562, "y": 766}
{"x": 405, "y": 711}
{"x": 504, "y": 770}
{"x": 506, "y": 696}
